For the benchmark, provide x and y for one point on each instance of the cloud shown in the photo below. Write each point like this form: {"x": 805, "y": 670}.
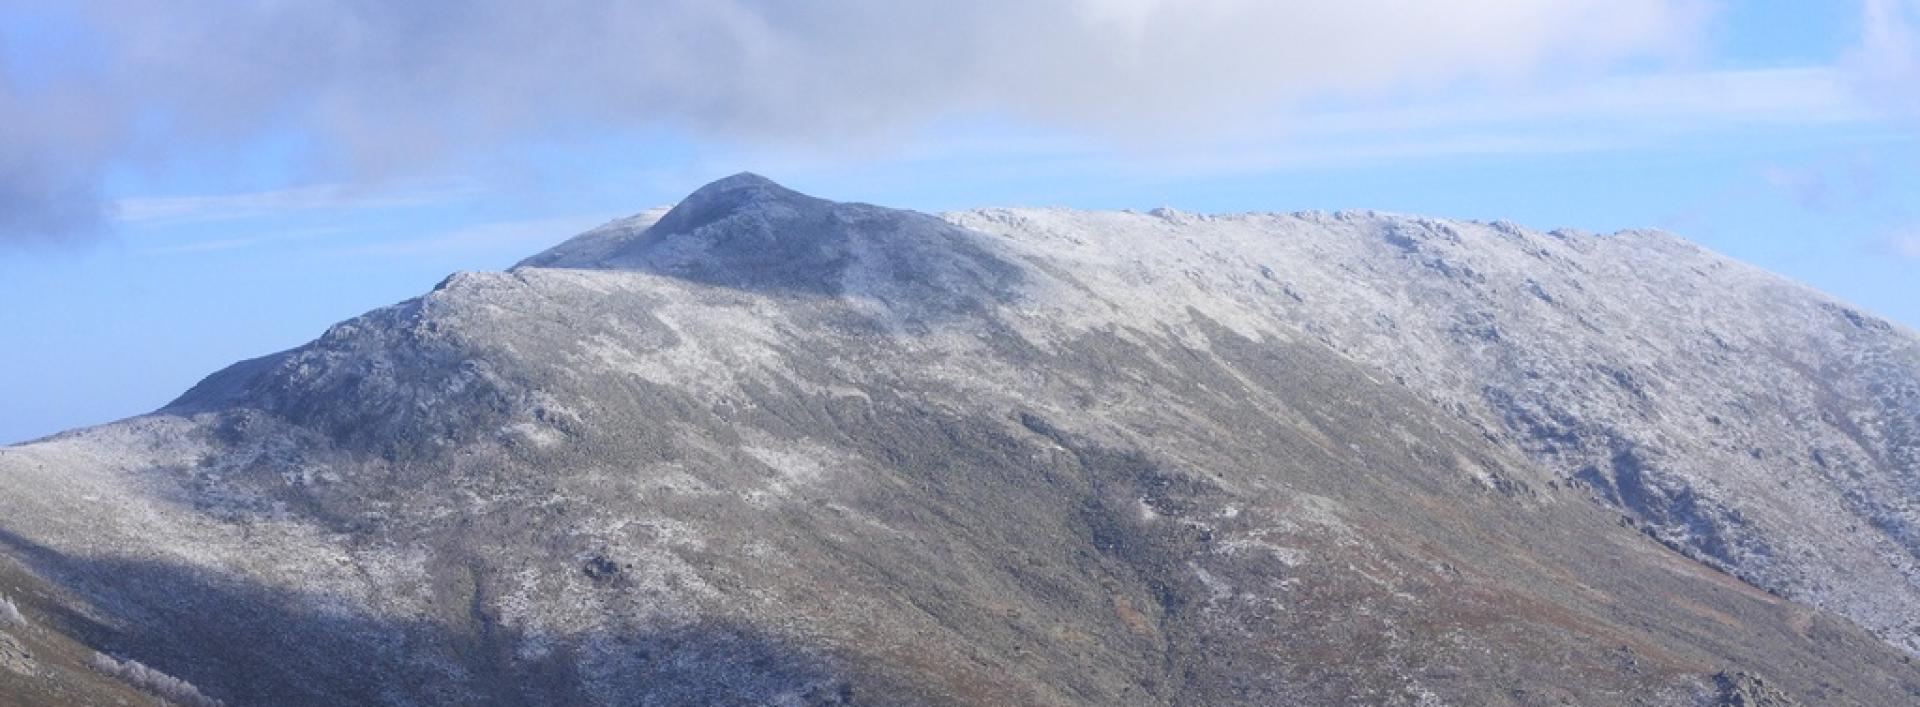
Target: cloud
{"x": 1603, "y": 114}
{"x": 1886, "y": 63}
{"x": 225, "y": 207}
{"x": 52, "y": 148}
{"x": 1809, "y": 188}
{"x": 237, "y": 243}
{"x": 1905, "y": 244}
{"x": 500, "y": 236}
{"x": 382, "y": 88}
{"x": 1837, "y": 183}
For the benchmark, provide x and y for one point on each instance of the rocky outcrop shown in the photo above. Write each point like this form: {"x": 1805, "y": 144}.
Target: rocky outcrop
{"x": 1740, "y": 689}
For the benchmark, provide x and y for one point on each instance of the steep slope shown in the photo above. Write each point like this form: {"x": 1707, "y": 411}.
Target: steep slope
{"x": 1758, "y": 425}
{"x": 770, "y": 449}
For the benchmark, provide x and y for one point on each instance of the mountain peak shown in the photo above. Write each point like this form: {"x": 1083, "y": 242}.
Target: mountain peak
{"x": 616, "y": 243}
{"x": 748, "y": 232}
{"x": 1188, "y": 434}
{"x": 743, "y": 192}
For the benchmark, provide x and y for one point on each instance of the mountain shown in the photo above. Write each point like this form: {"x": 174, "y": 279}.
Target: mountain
{"x": 764, "y": 448}
{"x": 1748, "y": 421}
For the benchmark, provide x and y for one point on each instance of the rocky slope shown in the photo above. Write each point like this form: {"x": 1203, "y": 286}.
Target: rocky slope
{"x": 770, "y": 449}
{"x": 1755, "y": 424}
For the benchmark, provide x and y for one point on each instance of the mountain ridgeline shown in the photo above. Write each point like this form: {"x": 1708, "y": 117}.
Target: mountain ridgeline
{"x": 765, "y": 448}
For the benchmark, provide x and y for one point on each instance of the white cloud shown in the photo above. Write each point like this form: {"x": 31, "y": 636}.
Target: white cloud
{"x": 1886, "y": 64}
{"x": 393, "y": 87}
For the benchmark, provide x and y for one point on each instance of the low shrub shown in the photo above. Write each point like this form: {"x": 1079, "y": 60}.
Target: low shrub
{"x": 10, "y": 614}
{"x": 154, "y": 682}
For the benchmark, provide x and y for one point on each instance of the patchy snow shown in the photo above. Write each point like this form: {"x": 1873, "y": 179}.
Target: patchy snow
{"x": 637, "y": 427}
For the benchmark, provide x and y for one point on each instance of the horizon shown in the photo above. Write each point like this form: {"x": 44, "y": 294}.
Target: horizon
{"x": 167, "y": 209}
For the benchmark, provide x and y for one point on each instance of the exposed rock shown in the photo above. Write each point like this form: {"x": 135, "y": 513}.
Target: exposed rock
{"x": 778, "y": 450}
{"x": 14, "y": 656}
{"x": 1755, "y": 424}
{"x": 1740, "y": 689}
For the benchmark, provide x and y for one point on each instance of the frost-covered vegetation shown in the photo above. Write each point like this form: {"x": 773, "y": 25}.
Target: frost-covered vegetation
{"x": 9, "y": 613}
{"x": 1746, "y": 420}
{"x": 777, "y": 450}
{"x": 154, "y": 682}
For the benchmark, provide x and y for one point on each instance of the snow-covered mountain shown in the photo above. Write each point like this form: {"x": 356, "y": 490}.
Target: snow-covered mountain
{"x": 770, "y": 449}
{"x": 1755, "y": 424}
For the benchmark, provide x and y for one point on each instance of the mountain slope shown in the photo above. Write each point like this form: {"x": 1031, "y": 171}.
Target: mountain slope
{"x": 1759, "y": 426}
{"x": 770, "y": 449}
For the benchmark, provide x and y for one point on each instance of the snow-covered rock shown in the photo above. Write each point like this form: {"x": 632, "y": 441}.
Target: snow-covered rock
{"x": 770, "y": 449}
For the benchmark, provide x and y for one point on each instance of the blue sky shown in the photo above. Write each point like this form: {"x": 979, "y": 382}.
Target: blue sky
{"x": 184, "y": 188}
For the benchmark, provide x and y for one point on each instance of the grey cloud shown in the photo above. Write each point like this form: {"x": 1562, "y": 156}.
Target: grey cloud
{"x": 42, "y": 203}
{"x": 391, "y": 88}
{"x": 52, "y": 148}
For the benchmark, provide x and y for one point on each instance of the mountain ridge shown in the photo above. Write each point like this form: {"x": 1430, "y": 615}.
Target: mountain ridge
{"x": 1001, "y": 456}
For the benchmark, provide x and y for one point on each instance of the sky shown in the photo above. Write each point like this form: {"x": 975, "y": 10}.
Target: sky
{"x": 186, "y": 186}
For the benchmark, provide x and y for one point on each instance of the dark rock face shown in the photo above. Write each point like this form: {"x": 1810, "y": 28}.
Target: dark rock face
{"x": 778, "y": 450}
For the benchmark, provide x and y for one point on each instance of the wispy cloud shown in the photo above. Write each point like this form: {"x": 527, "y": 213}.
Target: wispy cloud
{"x": 1885, "y": 65}
{"x": 237, "y": 243}
{"x": 1607, "y": 113}
{"x": 1843, "y": 180}
{"x": 1905, "y": 244}
{"x": 1807, "y": 187}
{"x": 1705, "y": 100}
{"x": 517, "y": 236}
{"x": 226, "y": 207}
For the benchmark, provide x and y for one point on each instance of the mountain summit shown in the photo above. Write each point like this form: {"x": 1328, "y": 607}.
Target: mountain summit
{"x": 764, "y": 448}
{"x": 748, "y": 201}
{"x": 738, "y": 196}
{"x": 747, "y": 232}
